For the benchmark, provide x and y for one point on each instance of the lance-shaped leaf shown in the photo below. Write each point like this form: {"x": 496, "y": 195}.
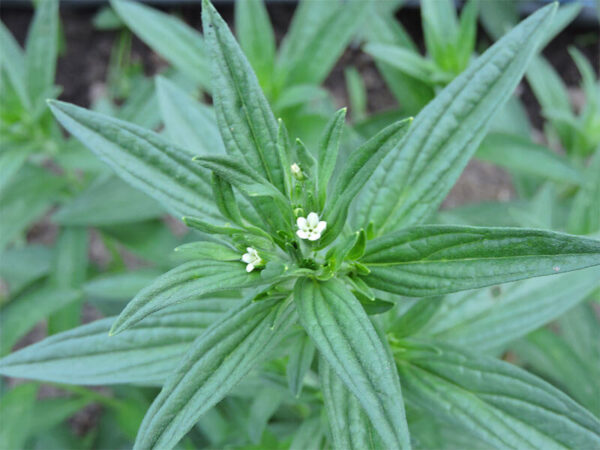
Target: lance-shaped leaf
{"x": 143, "y": 159}
{"x": 41, "y": 50}
{"x": 350, "y": 427}
{"x": 328, "y": 153}
{"x": 247, "y": 124}
{"x": 491, "y": 319}
{"x": 189, "y": 281}
{"x": 496, "y": 401}
{"x": 411, "y": 183}
{"x": 189, "y": 123}
{"x": 434, "y": 260}
{"x": 170, "y": 37}
{"x": 12, "y": 61}
{"x": 355, "y": 173}
{"x": 215, "y": 363}
{"x": 301, "y": 358}
{"x": 143, "y": 355}
{"x": 345, "y": 337}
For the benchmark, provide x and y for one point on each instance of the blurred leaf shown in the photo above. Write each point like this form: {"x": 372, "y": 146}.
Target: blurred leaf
{"x": 16, "y": 410}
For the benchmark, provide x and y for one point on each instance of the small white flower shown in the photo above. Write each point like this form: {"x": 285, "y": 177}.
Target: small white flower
{"x": 295, "y": 169}
{"x": 251, "y": 259}
{"x": 310, "y": 227}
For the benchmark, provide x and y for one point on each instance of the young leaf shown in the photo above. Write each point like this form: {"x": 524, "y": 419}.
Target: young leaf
{"x": 189, "y": 123}
{"x": 434, "y": 260}
{"x": 143, "y": 159}
{"x": 214, "y": 364}
{"x": 407, "y": 61}
{"x": 208, "y": 250}
{"x": 189, "y": 281}
{"x": 11, "y": 160}
{"x": 345, "y": 337}
{"x": 225, "y": 199}
{"x": 247, "y": 124}
{"x": 411, "y": 183}
{"x": 256, "y": 37}
{"x": 171, "y": 38}
{"x": 496, "y": 401}
{"x": 41, "y": 51}
{"x": 355, "y": 173}
{"x": 350, "y": 426}
{"x": 328, "y": 153}
{"x": 143, "y": 355}
{"x": 357, "y": 93}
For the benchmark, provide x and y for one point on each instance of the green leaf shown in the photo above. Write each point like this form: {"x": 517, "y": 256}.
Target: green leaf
{"x": 355, "y": 173}
{"x": 143, "y": 159}
{"x": 257, "y": 39}
{"x": 188, "y": 281}
{"x": 208, "y": 250}
{"x": 21, "y": 266}
{"x": 215, "y": 363}
{"x": 11, "y": 160}
{"x": 345, "y": 337}
{"x": 171, "y": 38}
{"x": 350, "y": 427}
{"x": 440, "y": 29}
{"x": 434, "y": 260}
{"x": 584, "y": 217}
{"x": 69, "y": 271}
{"x": 265, "y": 403}
{"x": 548, "y": 354}
{"x": 411, "y": 183}
{"x": 108, "y": 201}
{"x": 12, "y": 61}
{"x": 16, "y": 410}
{"x": 188, "y": 122}
{"x": 494, "y": 400}
{"x": 246, "y": 122}
{"x": 524, "y": 156}
{"x": 319, "y": 33}
{"x": 328, "y": 153}
{"x": 41, "y": 51}
{"x": 25, "y": 311}
{"x": 357, "y": 93}
{"x": 301, "y": 357}
{"x": 407, "y": 61}
{"x": 30, "y": 194}
{"x": 467, "y": 34}
{"x": 143, "y": 355}
{"x": 490, "y": 319}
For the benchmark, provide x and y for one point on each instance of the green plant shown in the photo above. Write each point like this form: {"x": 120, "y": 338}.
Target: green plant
{"x": 300, "y": 249}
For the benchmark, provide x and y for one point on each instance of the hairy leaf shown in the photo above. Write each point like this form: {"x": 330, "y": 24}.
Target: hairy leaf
{"x": 189, "y": 281}
{"x": 246, "y": 122}
{"x": 345, "y": 337}
{"x": 496, "y": 401}
{"x": 214, "y": 364}
{"x": 144, "y": 354}
{"x": 410, "y": 184}
{"x": 143, "y": 159}
{"x": 433, "y": 260}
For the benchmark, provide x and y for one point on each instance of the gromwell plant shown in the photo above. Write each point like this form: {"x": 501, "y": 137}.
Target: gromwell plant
{"x": 330, "y": 238}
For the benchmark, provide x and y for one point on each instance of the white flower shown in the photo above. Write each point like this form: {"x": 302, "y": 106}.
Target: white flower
{"x": 295, "y": 169}
{"x": 251, "y": 259}
{"x": 310, "y": 227}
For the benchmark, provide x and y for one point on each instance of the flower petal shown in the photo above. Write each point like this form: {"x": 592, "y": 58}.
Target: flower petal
{"x": 249, "y": 267}
{"x": 302, "y": 234}
{"x": 321, "y": 226}
{"x": 313, "y": 219}
{"x": 301, "y": 222}
{"x": 314, "y": 236}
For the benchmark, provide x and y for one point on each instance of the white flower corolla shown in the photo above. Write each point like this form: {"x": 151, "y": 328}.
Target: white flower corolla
{"x": 310, "y": 227}
{"x": 295, "y": 168}
{"x": 251, "y": 259}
